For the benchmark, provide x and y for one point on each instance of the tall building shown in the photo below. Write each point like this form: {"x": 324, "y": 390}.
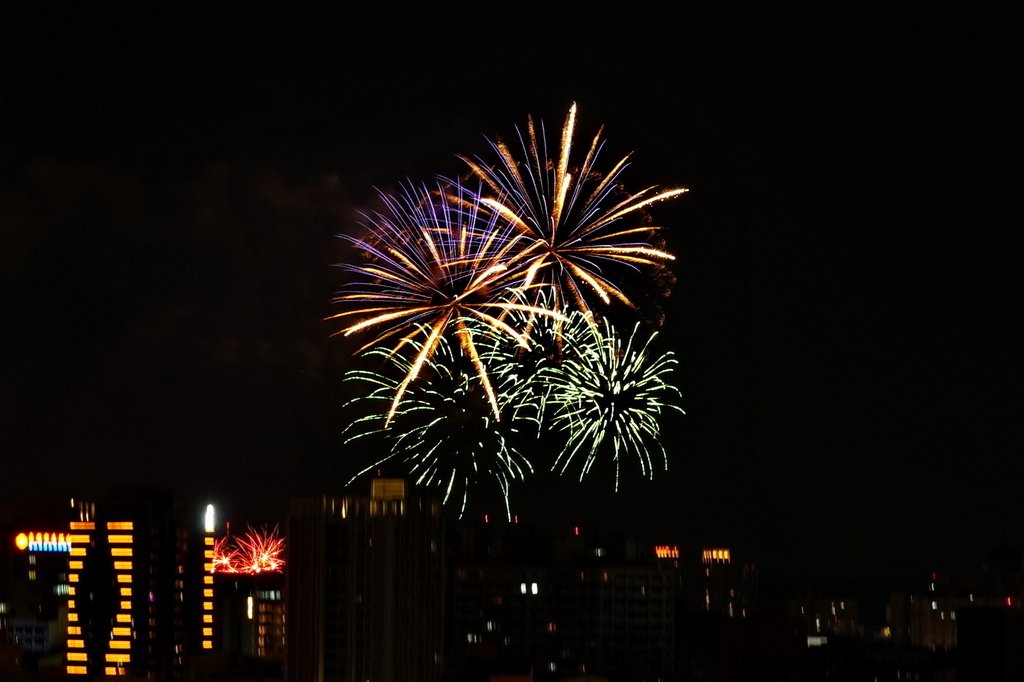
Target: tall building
{"x": 33, "y": 592}
{"x": 556, "y": 606}
{"x": 139, "y": 589}
{"x": 717, "y": 583}
{"x": 364, "y": 589}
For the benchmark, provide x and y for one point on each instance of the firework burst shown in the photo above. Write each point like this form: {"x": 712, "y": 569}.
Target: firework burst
{"x": 444, "y": 432}
{"x": 574, "y": 221}
{"x": 608, "y": 396}
{"x": 253, "y": 552}
{"x": 433, "y": 263}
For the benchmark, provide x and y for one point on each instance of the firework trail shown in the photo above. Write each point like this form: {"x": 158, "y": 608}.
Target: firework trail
{"x": 444, "y": 432}
{"x": 571, "y": 217}
{"x": 609, "y": 395}
{"x": 433, "y": 262}
{"x": 254, "y": 552}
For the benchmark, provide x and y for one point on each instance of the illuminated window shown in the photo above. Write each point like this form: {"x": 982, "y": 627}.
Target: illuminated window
{"x": 207, "y": 606}
{"x": 72, "y": 577}
{"x": 124, "y": 577}
{"x": 126, "y": 591}
{"x": 120, "y": 644}
{"x": 31, "y": 575}
{"x": 120, "y": 551}
{"x": 208, "y": 592}
{"x": 77, "y": 670}
{"x": 121, "y": 632}
{"x": 124, "y": 618}
{"x": 110, "y": 671}
{"x": 207, "y": 618}
{"x": 118, "y": 658}
{"x": 207, "y": 579}
{"x": 74, "y": 629}
{"x": 126, "y": 606}
{"x": 121, "y": 566}
{"x": 76, "y": 644}
{"x": 77, "y": 551}
{"x": 533, "y": 588}
{"x": 71, "y": 603}
{"x": 208, "y": 540}
{"x": 83, "y": 525}
{"x": 71, "y": 591}
{"x": 119, "y": 525}
{"x": 120, "y": 539}
{"x": 78, "y": 656}
{"x": 72, "y": 617}
{"x": 207, "y": 644}
{"x": 207, "y": 632}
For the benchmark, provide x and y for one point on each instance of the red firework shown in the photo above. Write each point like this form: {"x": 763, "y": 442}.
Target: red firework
{"x": 254, "y": 552}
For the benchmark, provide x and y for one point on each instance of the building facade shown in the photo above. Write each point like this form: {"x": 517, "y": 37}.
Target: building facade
{"x": 365, "y": 587}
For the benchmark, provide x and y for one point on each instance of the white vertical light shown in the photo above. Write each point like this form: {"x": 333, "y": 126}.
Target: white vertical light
{"x": 209, "y": 521}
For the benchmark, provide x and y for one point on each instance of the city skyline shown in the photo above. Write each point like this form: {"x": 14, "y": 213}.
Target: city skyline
{"x": 173, "y": 190}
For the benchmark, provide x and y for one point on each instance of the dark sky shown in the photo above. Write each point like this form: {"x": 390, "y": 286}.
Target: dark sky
{"x": 172, "y": 182}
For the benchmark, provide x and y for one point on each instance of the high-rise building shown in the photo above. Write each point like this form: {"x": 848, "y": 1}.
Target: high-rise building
{"x": 137, "y": 601}
{"x": 33, "y": 592}
{"x": 551, "y": 606}
{"x": 364, "y": 589}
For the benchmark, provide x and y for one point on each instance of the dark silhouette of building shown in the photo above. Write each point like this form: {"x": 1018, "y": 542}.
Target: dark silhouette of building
{"x": 551, "y": 606}
{"x": 140, "y": 593}
{"x": 365, "y": 587}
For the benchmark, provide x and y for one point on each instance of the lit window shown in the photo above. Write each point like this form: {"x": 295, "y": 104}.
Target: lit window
{"x": 533, "y": 588}
{"x": 522, "y": 588}
{"x": 78, "y": 656}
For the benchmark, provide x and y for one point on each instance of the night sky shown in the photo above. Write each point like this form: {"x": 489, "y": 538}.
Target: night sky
{"x": 173, "y": 181}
